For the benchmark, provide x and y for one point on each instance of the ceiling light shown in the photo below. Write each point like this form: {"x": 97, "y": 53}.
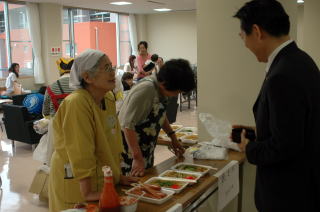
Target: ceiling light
{"x": 163, "y": 9}
{"x": 300, "y": 1}
{"x": 120, "y": 3}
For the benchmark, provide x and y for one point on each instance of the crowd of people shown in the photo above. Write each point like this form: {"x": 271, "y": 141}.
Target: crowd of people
{"x": 90, "y": 132}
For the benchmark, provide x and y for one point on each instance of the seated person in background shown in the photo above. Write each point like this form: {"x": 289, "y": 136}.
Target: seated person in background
{"x": 131, "y": 66}
{"x": 149, "y": 68}
{"x": 56, "y": 92}
{"x": 160, "y": 62}
{"x": 154, "y": 59}
{"x": 127, "y": 81}
{"x": 12, "y": 79}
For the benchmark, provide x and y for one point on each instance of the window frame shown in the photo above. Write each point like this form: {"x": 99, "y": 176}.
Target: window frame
{"x": 9, "y": 40}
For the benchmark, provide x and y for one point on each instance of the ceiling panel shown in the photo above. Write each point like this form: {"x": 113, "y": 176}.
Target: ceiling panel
{"x": 138, "y": 6}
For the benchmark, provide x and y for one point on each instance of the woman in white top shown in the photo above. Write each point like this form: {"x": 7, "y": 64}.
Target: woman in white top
{"x": 131, "y": 66}
{"x": 12, "y": 78}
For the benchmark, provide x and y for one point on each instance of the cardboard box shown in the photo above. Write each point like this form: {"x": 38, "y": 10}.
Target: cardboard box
{"x": 40, "y": 185}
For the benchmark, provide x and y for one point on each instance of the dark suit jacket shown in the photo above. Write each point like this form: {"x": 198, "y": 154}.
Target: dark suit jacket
{"x": 287, "y": 115}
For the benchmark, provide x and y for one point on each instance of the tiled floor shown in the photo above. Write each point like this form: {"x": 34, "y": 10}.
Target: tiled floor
{"x": 17, "y": 169}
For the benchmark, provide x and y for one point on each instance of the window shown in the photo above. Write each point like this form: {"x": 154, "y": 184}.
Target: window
{"x": 83, "y": 29}
{"x": 125, "y": 45}
{"x": 14, "y": 34}
{"x": 3, "y": 41}
{"x": 20, "y": 42}
{"x": 66, "y": 50}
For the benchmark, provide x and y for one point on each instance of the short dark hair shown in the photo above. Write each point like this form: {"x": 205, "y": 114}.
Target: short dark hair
{"x": 126, "y": 76}
{"x": 154, "y": 58}
{"x": 176, "y": 74}
{"x": 144, "y": 43}
{"x": 267, "y": 14}
{"x": 149, "y": 67}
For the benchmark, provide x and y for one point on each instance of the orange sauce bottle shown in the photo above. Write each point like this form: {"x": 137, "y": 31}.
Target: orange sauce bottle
{"x": 109, "y": 199}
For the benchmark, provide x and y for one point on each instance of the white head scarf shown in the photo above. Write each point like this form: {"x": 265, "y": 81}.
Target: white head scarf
{"x": 83, "y": 63}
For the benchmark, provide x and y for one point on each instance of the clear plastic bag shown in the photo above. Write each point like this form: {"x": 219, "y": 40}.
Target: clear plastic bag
{"x": 220, "y": 131}
{"x": 208, "y": 150}
{"x": 41, "y": 126}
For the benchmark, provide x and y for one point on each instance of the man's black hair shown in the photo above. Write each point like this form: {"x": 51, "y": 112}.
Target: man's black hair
{"x": 267, "y": 14}
{"x": 149, "y": 67}
{"x": 177, "y": 75}
{"x": 126, "y": 76}
{"x": 154, "y": 58}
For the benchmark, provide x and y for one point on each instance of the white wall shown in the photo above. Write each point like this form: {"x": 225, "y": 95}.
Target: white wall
{"x": 173, "y": 35}
{"x": 51, "y": 36}
{"x": 141, "y": 24}
{"x": 312, "y": 29}
{"x": 300, "y": 28}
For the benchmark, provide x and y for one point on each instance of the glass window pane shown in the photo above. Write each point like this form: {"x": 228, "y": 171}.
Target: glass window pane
{"x": 125, "y": 46}
{"x": 3, "y": 47}
{"x": 20, "y": 42}
{"x": 95, "y": 30}
{"x": 66, "y": 50}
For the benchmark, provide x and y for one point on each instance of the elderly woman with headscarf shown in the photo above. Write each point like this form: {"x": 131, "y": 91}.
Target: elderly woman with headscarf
{"x": 87, "y": 134}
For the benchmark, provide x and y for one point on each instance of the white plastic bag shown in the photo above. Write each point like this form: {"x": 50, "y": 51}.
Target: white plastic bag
{"x": 219, "y": 130}
{"x": 208, "y": 150}
{"x": 41, "y": 126}
{"x": 44, "y": 150}
{"x": 40, "y": 153}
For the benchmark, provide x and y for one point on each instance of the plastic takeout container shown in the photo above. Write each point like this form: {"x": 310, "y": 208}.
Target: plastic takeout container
{"x": 196, "y": 175}
{"x": 189, "y": 140}
{"x": 191, "y": 130}
{"x": 151, "y": 200}
{"x": 184, "y": 183}
{"x": 208, "y": 168}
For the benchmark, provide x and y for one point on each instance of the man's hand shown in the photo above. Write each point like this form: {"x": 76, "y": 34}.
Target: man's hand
{"x": 245, "y": 127}
{"x": 177, "y": 148}
{"x": 127, "y": 180}
{"x": 244, "y": 141}
{"x": 137, "y": 169}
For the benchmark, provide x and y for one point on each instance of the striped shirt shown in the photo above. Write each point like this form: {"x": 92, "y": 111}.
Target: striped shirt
{"x": 48, "y": 107}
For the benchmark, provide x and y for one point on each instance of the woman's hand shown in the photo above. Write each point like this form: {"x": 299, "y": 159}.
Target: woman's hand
{"x": 127, "y": 180}
{"x": 87, "y": 193}
{"x": 137, "y": 169}
{"x": 177, "y": 148}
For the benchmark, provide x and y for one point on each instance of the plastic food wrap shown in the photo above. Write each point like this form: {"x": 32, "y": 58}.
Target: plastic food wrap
{"x": 219, "y": 130}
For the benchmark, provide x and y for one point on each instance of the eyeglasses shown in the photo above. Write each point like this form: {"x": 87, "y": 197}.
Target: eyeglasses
{"x": 109, "y": 68}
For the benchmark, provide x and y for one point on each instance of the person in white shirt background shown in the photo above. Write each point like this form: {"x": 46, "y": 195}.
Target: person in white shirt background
{"x": 12, "y": 78}
{"x": 131, "y": 66}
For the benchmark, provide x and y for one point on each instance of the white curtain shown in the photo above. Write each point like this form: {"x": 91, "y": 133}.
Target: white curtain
{"x": 133, "y": 34}
{"x": 34, "y": 31}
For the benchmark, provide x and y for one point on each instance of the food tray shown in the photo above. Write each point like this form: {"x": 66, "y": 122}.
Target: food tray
{"x": 178, "y": 134}
{"x": 191, "y": 164}
{"x": 188, "y": 140}
{"x": 151, "y": 200}
{"x": 176, "y": 127}
{"x": 190, "y": 130}
{"x": 197, "y": 176}
{"x": 166, "y": 179}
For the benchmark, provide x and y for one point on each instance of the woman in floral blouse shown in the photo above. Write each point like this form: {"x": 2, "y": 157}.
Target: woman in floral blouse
{"x": 143, "y": 114}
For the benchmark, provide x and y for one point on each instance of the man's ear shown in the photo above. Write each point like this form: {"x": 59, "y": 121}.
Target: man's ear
{"x": 257, "y": 31}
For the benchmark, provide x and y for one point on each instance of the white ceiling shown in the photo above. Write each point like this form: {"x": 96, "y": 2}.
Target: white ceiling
{"x": 138, "y": 6}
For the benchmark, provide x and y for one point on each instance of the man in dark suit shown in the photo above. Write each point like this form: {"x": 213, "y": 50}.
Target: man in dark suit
{"x": 287, "y": 113}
